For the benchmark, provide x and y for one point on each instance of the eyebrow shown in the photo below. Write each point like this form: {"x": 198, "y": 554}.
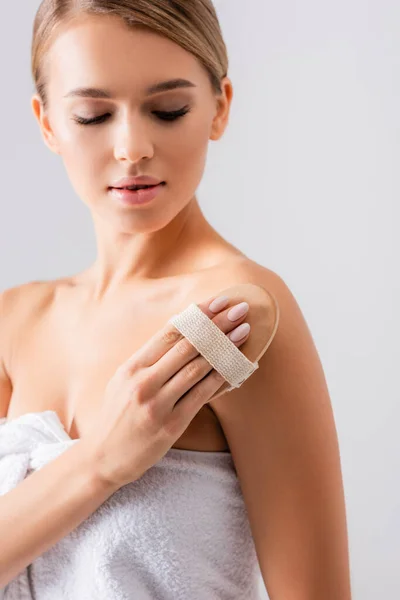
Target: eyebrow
{"x": 162, "y": 86}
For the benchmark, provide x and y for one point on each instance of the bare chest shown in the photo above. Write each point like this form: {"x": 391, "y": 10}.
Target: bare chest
{"x": 64, "y": 361}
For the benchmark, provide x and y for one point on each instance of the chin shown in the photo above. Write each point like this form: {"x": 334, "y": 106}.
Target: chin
{"x": 131, "y": 221}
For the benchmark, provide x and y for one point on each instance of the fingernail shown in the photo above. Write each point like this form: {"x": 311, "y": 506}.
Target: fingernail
{"x": 240, "y": 332}
{"x": 238, "y": 311}
{"x": 219, "y": 303}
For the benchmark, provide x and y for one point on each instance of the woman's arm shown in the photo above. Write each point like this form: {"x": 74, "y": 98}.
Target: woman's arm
{"x": 45, "y": 507}
{"x": 50, "y": 502}
{"x": 281, "y": 432}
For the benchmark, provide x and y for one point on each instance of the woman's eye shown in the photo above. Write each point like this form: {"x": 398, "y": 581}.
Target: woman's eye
{"x": 161, "y": 115}
{"x": 172, "y": 116}
{"x": 92, "y": 121}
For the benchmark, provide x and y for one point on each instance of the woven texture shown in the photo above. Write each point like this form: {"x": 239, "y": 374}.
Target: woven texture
{"x": 214, "y": 345}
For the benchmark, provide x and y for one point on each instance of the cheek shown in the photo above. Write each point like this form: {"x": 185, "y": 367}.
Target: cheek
{"x": 84, "y": 169}
{"x": 80, "y": 145}
{"x": 188, "y": 150}
{"x": 77, "y": 143}
{"x": 84, "y": 150}
{"x": 83, "y": 156}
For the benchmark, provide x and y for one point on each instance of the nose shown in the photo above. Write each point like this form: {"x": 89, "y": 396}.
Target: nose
{"x": 132, "y": 142}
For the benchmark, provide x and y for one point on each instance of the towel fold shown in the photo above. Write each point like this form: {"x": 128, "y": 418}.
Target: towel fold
{"x": 180, "y": 531}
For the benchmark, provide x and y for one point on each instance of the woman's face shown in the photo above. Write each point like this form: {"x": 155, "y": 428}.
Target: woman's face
{"x": 132, "y": 135}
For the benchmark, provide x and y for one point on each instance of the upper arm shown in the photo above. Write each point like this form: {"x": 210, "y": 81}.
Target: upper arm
{"x": 5, "y": 381}
{"x": 282, "y": 436}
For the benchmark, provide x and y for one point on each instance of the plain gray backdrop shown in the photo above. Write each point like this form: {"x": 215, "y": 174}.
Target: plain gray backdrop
{"x": 304, "y": 181}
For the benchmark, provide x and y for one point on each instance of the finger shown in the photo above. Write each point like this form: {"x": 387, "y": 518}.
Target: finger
{"x": 185, "y": 408}
{"x": 162, "y": 341}
{"x": 183, "y": 352}
{"x": 186, "y": 378}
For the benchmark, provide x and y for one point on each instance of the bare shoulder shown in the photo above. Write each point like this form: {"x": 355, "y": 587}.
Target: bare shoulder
{"x": 281, "y": 432}
{"x": 252, "y": 272}
{"x": 241, "y": 270}
{"x": 18, "y": 306}
{"x": 21, "y": 306}
{"x": 25, "y": 299}
{"x": 237, "y": 270}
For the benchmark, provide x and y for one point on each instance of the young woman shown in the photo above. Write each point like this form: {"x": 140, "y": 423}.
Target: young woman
{"x": 129, "y": 93}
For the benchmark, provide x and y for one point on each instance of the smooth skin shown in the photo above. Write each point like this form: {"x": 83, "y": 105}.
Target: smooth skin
{"x": 279, "y": 425}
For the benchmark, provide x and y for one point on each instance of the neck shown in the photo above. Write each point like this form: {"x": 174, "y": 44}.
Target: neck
{"x": 185, "y": 245}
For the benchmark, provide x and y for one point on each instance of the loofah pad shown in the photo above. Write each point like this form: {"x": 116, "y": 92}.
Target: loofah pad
{"x": 214, "y": 345}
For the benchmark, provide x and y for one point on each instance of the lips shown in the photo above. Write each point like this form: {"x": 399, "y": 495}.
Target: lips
{"x": 126, "y": 182}
{"x": 139, "y": 197}
{"x": 134, "y": 188}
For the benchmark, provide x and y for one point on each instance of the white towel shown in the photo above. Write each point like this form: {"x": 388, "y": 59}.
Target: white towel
{"x": 179, "y": 532}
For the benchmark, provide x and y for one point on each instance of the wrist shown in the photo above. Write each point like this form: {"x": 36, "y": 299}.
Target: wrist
{"x": 93, "y": 464}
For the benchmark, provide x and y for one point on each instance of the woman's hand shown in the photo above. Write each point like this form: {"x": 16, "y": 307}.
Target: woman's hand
{"x": 151, "y": 400}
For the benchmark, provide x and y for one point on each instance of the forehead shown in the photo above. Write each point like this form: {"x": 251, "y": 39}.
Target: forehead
{"x": 103, "y": 50}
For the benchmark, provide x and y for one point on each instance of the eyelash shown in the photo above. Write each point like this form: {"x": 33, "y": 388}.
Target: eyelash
{"x": 167, "y": 117}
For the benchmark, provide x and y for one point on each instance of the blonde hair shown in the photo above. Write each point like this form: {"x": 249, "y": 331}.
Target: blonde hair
{"x": 193, "y": 24}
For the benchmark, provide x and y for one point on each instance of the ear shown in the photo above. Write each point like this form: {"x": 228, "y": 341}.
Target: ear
{"x": 224, "y": 102}
{"x": 44, "y": 124}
